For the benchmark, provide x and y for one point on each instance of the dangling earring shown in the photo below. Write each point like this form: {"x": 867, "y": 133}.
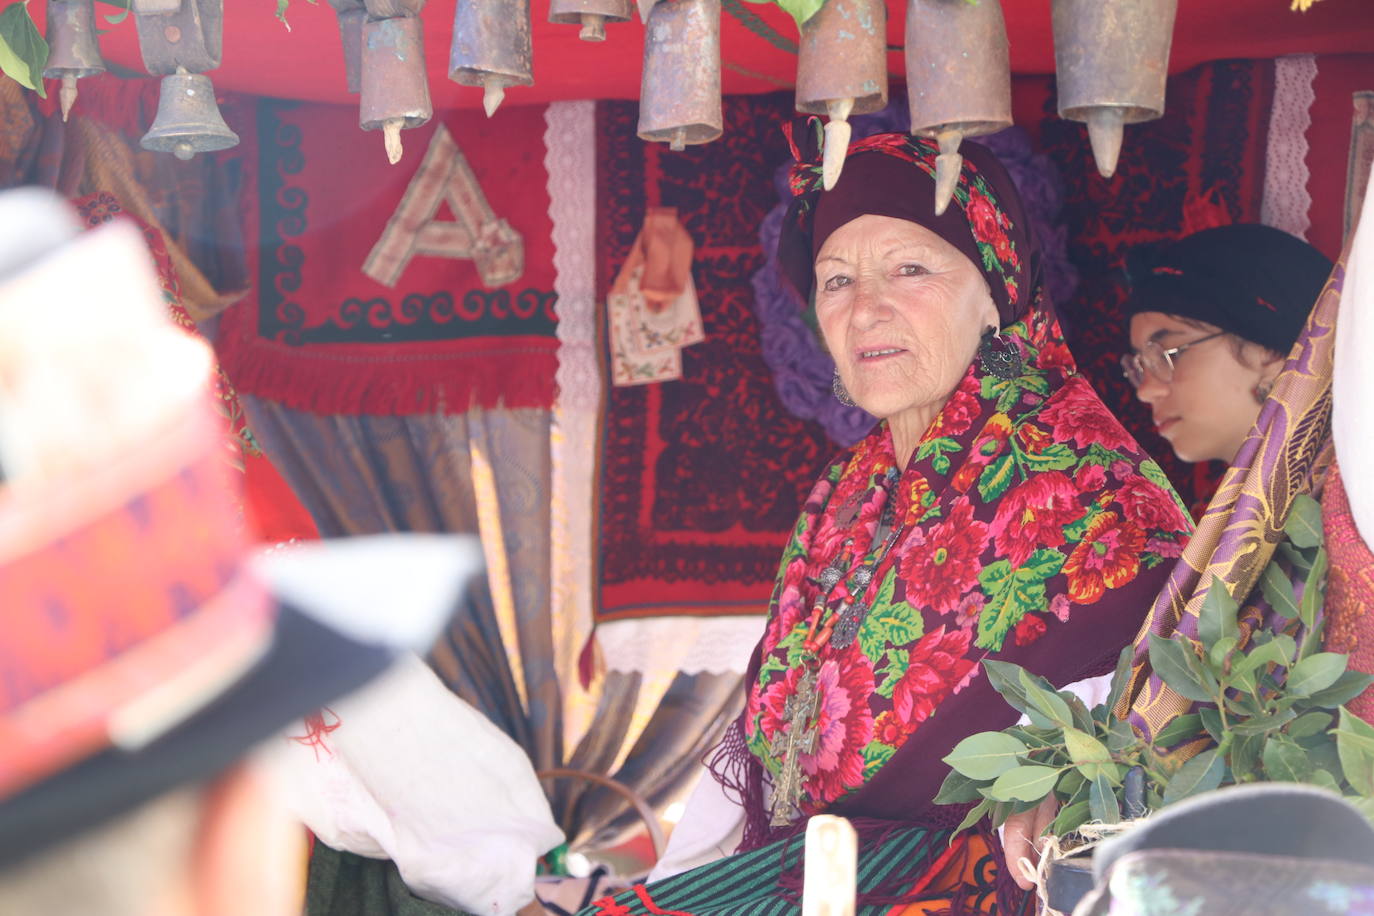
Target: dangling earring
{"x": 1000, "y": 357}
{"x": 841, "y": 393}
{"x": 1262, "y": 390}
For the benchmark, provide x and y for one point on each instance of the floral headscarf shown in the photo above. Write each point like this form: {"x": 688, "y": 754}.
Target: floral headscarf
{"x": 892, "y": 174}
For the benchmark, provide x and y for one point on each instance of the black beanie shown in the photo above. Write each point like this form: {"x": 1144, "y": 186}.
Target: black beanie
{"x": 1254, "y": 281}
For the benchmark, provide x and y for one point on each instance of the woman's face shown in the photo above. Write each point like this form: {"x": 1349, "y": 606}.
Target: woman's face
{"x": 902, "y": 311}
{"x": 1208, "y": 408}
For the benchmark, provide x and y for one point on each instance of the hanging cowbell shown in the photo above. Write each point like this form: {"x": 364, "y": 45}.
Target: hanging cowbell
{"x": 592, "y": 15}
{"x": 1111, "y": 58}
{"x": 491, "y": 48}
{"x": 187, "y": 34}
{"x": 842, "y": 70}
{"x": 73, "y": 51}
{"x": 958, "y": 78}
{"x": 188, "y": 120}
{"x": 395, "y": 87}
{"x": 679, "y": 96}
{"x": 351, "y": 15}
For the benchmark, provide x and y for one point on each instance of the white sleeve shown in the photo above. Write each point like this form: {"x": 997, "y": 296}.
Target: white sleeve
{"x": 710, "y": 829}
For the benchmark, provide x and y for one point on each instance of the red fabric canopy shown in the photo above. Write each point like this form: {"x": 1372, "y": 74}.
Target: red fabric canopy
{"x": 262, "y": 58}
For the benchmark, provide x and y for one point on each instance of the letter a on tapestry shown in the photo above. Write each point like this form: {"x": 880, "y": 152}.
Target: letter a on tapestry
{"x": 476, "y": 232}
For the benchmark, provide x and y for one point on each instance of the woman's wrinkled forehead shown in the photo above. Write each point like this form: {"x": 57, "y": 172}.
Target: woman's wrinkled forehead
{"x": 873, "y": 235}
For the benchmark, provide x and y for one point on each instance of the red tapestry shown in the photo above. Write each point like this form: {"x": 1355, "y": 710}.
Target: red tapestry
{"x": 701, "y": 478}
{"x": 416, "y": 288}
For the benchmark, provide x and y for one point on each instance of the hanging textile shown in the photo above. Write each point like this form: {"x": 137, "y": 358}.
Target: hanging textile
{"x": 420, "y": 288}
{"x": 701, "y": 477}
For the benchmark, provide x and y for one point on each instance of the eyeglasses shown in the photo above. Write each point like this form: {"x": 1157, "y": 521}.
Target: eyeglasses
{"x": 1156, "y": 360}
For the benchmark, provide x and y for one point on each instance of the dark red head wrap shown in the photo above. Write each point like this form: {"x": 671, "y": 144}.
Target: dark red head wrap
{"x": 893, "y": 174}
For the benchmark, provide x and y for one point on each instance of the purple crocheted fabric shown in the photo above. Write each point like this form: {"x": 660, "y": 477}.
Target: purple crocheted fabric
{"x": 802, "y": 370}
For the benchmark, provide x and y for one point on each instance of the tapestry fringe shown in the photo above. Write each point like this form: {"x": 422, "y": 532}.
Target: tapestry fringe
{"x": 512, "y": 377}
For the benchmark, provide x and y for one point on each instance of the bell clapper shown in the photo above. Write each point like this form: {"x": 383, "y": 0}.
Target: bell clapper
{"x": 947, "y": 166}
{"x": 1106, "y": 127}
{"x": 184, "y": 150}
{"x": 67, "y": 94}
{"x": 493, "y": 93}
{"x": 837, "y": 134}
{"x": 391, "y": 137}
{"x": 593, "y": 27}
{"x": 678, "y": 143}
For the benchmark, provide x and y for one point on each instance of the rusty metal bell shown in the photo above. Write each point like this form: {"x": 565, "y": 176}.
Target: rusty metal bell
{"x": 679, "y": 95}
{"x": 188, "y": 119}
{"x": 842, "y": 70}
{"x": 351, "y": 14}
{"x": 592, "y": 15}
{"x": 73, "y": 52}
{"x": 188, "y": 34}
{"x": 958, "y": 78}
{"x": 395, "y": 87}
{"x": 1111, "y": 58}
{"x": 491, "y": 48}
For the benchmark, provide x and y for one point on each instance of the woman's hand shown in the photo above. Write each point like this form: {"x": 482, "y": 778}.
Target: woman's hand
{"x": 1021, "y": 837}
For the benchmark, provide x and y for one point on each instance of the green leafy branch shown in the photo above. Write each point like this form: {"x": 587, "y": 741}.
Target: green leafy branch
{"x": 1272, "y": 709}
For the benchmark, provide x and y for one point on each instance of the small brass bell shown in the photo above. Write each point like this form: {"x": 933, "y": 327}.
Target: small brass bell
{"x": 491, "y": 48}
{"x": 958, "y": 79}
{"x": 1111, "y": 58}
{"x": 73, "y": 52}
{"x": 842, "y": 70}
{"x": 592, "y": 15}
{"x": 351, "y": 14}
{"x": 679, "y": 96}
{"x": 189, "y": 35}
{"x": 188, "y": 120}
{"x": 395, "y": 88}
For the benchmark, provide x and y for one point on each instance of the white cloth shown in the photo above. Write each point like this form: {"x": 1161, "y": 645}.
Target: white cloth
{"x": 710, "y": 829}
{"x": 416, "y": 775}
{"x": 1352, "y": 417}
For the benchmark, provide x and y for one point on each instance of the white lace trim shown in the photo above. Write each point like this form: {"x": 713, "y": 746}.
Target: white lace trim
{"x": 692, "y": 645}
{"x": 570, "y": 162}
{"x": 1287, "y": 202}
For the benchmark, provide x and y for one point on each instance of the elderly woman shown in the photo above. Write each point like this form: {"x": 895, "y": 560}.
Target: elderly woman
{"x": 997, "y": 511}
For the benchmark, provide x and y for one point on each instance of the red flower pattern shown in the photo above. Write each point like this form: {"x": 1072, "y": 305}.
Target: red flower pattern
{"x": 1033, "y": 515}
{"x": 937, "y": 669}
{"x": 1029, "y": 629}
{"x": 959, "y": 412}
{"x": 1107, "y": 557}
{"x": 1146, "y": 504}
{"x": 1076, "y": 414}
{"x": 946, "y": 567}
{"x": 844, "y": 726}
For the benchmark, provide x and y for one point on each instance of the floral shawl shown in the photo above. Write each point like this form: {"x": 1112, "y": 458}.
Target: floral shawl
{"x": 1036, "y": 532}
{"x": 1033, "y": 529}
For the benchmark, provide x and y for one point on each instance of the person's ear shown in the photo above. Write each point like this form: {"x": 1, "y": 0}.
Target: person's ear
{"x": 251, "y": 855}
